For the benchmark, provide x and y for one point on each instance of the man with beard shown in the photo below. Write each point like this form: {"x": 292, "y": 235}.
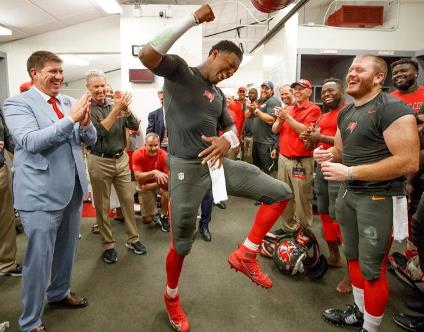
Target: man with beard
{"x": 295, "y": 163}
{"x": 375, "y": 146}
{"x": 404, "y": 77}
{"x": 322, "y": 135}
{"x": 248, "y": 127}
{"x": 196, "y": 154}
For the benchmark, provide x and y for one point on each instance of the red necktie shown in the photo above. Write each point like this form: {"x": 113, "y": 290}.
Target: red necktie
{"x": 56, "y": 109}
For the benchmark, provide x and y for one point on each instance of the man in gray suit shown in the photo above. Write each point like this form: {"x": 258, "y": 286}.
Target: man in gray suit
{"x": 48, "y": 129}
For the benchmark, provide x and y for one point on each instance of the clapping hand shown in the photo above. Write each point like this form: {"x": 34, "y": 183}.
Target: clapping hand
{"x": 80, "y": 111}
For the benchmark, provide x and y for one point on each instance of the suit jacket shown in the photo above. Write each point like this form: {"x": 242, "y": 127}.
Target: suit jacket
{"x": 156, "y": 123}
{"x": 48, "y": 154}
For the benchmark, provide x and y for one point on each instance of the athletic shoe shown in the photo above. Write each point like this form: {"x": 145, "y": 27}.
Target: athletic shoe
{"x": 137, "y": 247}
{"x": 164, "y": 223}
{"x": 244, "y": 261}
{"x": 221, "y": 205}
{"x": 110, "y": 256}
{"x": 351, "y": 316}
{"x": 16, "y": 272}
{"x": 176, "y": 315}
{"x": 409, "y": 322}
{"x": 410, "y": 252}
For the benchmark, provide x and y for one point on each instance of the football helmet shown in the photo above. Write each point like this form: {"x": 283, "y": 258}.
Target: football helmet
{"x": 289, "y": 256}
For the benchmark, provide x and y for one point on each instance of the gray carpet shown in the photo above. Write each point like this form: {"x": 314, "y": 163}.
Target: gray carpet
{"x": 127, "y": 296}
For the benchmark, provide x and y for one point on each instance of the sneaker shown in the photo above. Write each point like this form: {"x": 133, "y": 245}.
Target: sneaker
{"x": 16, "y": 272}
{"x": 409, "y": 322}
{"x": 176, "y": 315}
{"x": 351, "y": 316}
{"x": 244, "y": 261}
{"x": 137, "y": 247}
{"x": 164, "y": 224}
{"x": 110, "y": 256}
{"x": 221, "y": 205}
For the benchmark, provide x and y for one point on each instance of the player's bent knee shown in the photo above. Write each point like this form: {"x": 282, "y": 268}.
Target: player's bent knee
{"x": 182, "y": 248}
{"x": 370, "y": 271}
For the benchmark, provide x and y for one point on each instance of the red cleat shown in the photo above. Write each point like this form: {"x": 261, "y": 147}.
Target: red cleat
{"x": 244, "y": 260}
{"x": 176, "y": 315}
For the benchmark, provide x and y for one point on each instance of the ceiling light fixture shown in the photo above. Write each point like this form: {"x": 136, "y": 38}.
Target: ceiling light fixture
{"x": 5, "y": 31}
{"x": 109, "y": 6}
{"x": 72, "y": 59}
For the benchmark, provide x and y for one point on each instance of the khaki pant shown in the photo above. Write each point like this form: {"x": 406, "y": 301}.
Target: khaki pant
{"x": 147, "y": 199}
{"x": 7, "y": 223}
{"x": 300, "y": 205}
{"x": 247, "y": 149}
{"x": 103, "y": 173}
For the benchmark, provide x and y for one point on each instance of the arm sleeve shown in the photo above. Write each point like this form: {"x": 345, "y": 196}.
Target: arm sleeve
{"x": 270, "y": 104}
{"x": 171, "y": 67}
{"x": 390, "y": 112}
{"x": 131, "y": 122}
{"x": 24, "y": 128}
{"x": 150, "y": 123}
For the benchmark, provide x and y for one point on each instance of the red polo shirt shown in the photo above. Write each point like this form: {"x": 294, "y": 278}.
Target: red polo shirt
{"x": 143, "y": 162}
{"x": 236, "y": 110}
{"x": 291, "y": 146}
{"x": 414, "y": 99}
{"x": 327, "y": 122}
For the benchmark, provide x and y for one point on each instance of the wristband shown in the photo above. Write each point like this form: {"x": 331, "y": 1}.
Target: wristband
{"x": 231, "y": 138}
{"x": 349, "y": 174}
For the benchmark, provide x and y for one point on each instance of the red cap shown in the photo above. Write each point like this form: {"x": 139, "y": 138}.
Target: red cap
{"x": 302, "y": 83}
{"x": 242, "y": 88}
{"x": 25, "y": 86}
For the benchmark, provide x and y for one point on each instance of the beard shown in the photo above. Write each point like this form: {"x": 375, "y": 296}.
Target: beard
{"x": 404, "y": 85}
{"x": 331, "y": 106}
{"x": 365, "y": 86}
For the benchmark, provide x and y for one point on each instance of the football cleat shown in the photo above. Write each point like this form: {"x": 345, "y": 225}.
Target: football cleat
{"x": 350, "y": 317}
{"x": 244, "y": 261}
{"x": 176, "y": 315}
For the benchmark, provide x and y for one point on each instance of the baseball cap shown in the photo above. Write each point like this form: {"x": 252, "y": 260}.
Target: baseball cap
{"x": 268, "y": 84}
{"x": 25, "y": 86}
{"x": 242, "y": 88}
{"x": 302, "y": 83}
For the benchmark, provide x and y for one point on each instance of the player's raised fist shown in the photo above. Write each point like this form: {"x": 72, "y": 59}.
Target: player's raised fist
{"x": 204, "y": 14}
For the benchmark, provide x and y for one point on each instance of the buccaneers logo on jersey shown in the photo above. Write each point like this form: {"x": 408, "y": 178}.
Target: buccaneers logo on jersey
{"x": 351, "y": 126}
{"x": 209, "y": 95}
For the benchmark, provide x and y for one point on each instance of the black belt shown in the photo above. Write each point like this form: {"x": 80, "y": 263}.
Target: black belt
{"x": 296, "y": 158}
{"x": 115, "y": 155}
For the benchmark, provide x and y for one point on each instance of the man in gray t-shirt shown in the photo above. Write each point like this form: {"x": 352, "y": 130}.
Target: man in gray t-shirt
{"x": 263, "y": 117}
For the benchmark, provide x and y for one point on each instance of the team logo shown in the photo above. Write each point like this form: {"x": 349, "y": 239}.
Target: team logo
{"x": 351, "y": 126}
{"x": 209, "y": 95}
{"x": 180, "y": 176}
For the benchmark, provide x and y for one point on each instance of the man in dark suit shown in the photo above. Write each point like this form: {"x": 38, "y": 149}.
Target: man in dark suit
{"x": 48, "y": 129}
{"x": 156, "y": 123}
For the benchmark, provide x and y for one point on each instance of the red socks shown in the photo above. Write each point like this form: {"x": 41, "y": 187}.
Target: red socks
{"x": 174, "y": 264}
{"x": 330, "y": 229}
{"x": 265, "y": 218}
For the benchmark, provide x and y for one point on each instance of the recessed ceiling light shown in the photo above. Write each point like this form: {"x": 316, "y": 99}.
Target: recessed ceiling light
{"x": 109, "y": 6}
{"x": 5, "y": 31}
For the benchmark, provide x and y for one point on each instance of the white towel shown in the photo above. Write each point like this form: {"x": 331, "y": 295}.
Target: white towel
{"x": 400, "y": 218}
{"x": 219, "y": 189}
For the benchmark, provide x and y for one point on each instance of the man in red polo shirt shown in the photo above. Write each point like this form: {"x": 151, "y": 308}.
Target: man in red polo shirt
{"x": 237, "y": 108}
{"x": 151, "y": 173}
{"x": 295, "y": 164}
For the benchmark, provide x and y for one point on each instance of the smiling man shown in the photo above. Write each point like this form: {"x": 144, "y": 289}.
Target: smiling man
{"x": 108, "y": 163}
{"x": 375, "y": 146}
{"x": 295, "y": 163}
{"x": 197, "y": 107}
{"x": 49, "y": 181}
